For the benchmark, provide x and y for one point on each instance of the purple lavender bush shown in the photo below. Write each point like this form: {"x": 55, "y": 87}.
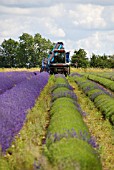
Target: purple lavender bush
{"x": 14, "y": 105}
{"x": 9, "y": 79}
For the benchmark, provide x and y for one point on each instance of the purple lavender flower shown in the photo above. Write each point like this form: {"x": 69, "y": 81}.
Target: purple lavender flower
{"x": 10, "y": 79}
{"x": 14, "y": 105}
{"x": 82, "y": 135}
{"x": 94, "y": 95}
{"x": 61, "y": 85}
{"x": 67, "y": 93}
{"x": 75, "y": 74}
{"x": 93, "y": 143}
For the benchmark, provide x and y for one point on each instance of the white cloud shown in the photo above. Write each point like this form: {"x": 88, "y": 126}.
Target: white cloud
{"x": 98, "y": 43}
{"x": 51, "y": 28}
{"x": 88, "y": 16}
{"x": 84, "y": 24}
{"x": 70, "y": 46}
{"x": 33, "y": 3}
{"x": 108, "y": 15}
{"x": 57, "y": 10}
{"x": 13, "y": 11}
{"x": 14, "y": 27}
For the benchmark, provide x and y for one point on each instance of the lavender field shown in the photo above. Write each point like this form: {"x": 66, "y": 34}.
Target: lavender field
{"x": 57, "y": 122}
{"x": 19, "y": 90}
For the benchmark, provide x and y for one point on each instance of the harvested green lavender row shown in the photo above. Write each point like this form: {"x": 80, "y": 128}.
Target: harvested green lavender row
{"x": 108, "y": 75}
{"x": 97, "y": 95}
{"x": 109, "y": 84}
{"x": 69, "y": 144}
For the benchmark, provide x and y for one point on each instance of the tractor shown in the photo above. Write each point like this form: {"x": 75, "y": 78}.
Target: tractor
{"x": 58, "y": 61}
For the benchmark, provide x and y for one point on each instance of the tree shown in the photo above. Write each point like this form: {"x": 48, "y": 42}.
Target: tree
{"x": 93, "y": 61}
{"x": 111, "y": 60}
{"x": 9, "y": 52}
{"x": 28, "y": 52}
{"x": 1, "y": 57}
{"x": 42, "y": 48}
{"x": 26, "y": 49}
{"x": 33, "y": 49}
{"x": 101, "y": 61}
{"x": 79, "y": 59}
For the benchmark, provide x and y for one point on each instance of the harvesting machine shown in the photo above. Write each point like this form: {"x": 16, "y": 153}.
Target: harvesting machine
{"x": 57, "y": 61}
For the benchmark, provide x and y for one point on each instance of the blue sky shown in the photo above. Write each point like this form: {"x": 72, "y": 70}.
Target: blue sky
{"x": 87, "y": 24}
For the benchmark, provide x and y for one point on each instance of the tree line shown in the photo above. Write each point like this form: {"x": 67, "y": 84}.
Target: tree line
{"x": 27, "y": 52}
{"x": 30, "y": 50}
{"x": 79, "y": 59}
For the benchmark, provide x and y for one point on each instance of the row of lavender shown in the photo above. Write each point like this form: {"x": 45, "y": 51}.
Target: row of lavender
{"x": 108, "y": 75}
{"x": 68, "y": 143}
{"x": 105, "y": 81}
{"x": 15, "y": 103}
{"x": 9, "y": 79}
{"x": 103, "y": 99}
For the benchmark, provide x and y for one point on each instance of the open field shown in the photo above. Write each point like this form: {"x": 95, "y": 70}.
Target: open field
{"x": 72, "y": 69}
{"x": 56, "y": 122}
